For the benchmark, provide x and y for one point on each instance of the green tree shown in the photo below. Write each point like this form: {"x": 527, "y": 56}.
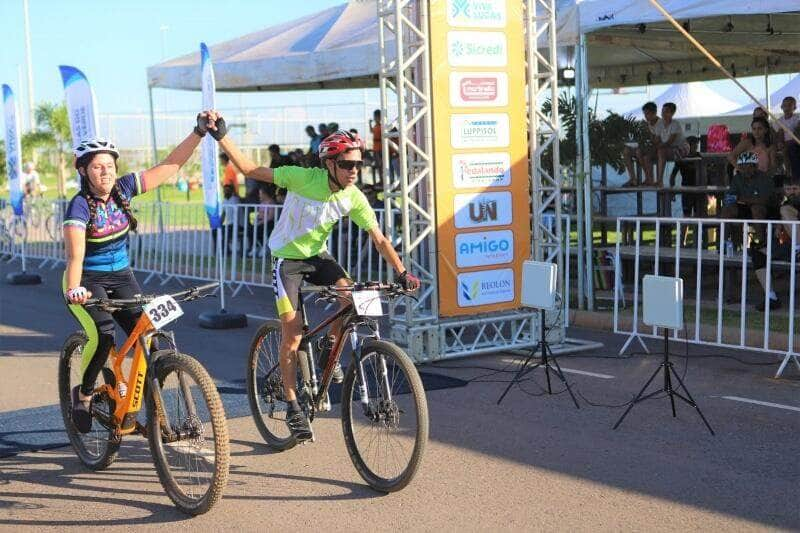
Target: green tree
{"x": 53, "y": 131}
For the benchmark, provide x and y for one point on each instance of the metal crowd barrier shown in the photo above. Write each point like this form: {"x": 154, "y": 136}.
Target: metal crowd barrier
{"x": 720, "y": 286}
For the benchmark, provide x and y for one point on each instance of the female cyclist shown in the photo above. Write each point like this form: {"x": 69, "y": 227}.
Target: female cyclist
{"x": 96, "y": 226}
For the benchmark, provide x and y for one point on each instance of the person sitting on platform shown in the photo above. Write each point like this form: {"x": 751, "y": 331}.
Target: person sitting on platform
{"x": 790, "y": 209}
{"x": 669, "y": 141}
{"x": 785, "y": 142}
{"x": 751, "y": 195}
{"x": 643, "y": 150}
{"x": 759, "y": 140}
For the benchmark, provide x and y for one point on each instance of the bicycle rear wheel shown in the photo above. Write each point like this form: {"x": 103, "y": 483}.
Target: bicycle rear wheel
{"x": 188, "y": 433}
{"x": 265, "y": 388}
{"x": 387, "y": 437}
{"x": 96, "y": 449}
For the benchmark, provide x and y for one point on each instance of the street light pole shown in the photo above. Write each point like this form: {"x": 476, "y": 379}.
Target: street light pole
{"x": 32, "y": 122}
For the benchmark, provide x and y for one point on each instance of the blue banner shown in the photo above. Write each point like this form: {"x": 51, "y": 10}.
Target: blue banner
{"x": 13, "y": 150}
{"x": 209, "y": 147}
{"x": 80, "y": 104}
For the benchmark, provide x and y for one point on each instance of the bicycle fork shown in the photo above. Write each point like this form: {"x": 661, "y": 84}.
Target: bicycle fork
{"x": 383, "y": 376}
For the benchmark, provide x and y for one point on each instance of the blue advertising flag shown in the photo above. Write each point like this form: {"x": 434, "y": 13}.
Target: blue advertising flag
{"x": 13, "y": 150}
{"x": 209, "y": 148}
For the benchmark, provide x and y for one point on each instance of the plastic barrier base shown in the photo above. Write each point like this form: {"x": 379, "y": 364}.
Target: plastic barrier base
{"x": 23, "y": 278}
{"x": 222, "y": 320}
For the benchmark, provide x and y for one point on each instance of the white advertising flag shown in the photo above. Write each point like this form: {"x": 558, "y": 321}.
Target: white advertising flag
{"x": 80, "y": 104}
{"x": 13, "y": 150}
{"x": 209, "y": 148}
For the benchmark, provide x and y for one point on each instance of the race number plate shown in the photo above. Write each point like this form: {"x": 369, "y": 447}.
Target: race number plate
{"x": 368, "y": 303}
{"x": 162, "y": 311}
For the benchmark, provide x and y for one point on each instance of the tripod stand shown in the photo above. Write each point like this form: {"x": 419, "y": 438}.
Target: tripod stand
{"x": 544, "y": 362}
{"x": 669, "y": 372}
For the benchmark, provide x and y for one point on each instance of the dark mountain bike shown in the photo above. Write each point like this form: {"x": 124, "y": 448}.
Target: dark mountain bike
{"x": 384, "y": 409}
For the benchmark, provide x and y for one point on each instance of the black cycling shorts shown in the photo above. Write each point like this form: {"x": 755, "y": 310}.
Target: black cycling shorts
{"x": 289, "y": 274}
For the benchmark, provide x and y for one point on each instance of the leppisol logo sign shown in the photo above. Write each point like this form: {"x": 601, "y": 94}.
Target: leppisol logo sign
{"x": 482, "y": 13}
{"x": 485, "y": 287}
{"x": 484, "y": 248}
{"x": 482, "y": 209}
{"x": 476, "y": 49}
{"x": 478, "y": 89}
{"x": 485, "y": 130}
{"x": 481, "y": 170}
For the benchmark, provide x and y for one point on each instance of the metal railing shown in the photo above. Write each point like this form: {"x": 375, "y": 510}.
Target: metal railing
{"x": 725, "y": 262}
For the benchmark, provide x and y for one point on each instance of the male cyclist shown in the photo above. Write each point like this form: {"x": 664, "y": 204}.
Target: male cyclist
{"x": 317, "y": 198}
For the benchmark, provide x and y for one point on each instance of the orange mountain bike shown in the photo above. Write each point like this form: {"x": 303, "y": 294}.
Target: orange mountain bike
{"x": 185, "y": 425}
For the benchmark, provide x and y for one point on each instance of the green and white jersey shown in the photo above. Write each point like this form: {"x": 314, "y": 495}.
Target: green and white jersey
{"x": 311, "y": 210}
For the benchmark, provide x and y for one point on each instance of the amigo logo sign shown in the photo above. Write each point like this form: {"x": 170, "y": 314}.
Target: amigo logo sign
{"x": 481, "y": 13}
{"x": 483, "y": 209}
{"x": 485, "y": 287}
{"x": 478, "y": 89}
{"x": 481, "y": 170}
{"x": 476, "y": 49}
{"x": 487, "y": 130}
{"x": 484, "y": 248}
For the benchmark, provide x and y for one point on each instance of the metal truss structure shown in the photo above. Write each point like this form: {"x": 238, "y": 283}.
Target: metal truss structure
{"x": 405, "y": 83}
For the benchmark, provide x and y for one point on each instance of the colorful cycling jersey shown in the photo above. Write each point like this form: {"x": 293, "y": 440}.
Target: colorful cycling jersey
{"x": 311, "y": 210}
{"x": 107, "y": 241}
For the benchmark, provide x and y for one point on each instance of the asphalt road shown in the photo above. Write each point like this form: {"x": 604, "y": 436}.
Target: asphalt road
{"x": 533, "y": 463}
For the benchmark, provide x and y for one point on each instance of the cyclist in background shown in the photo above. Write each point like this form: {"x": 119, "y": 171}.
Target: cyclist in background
{"x": 317, "y": 198}
{"x": 96, "y": 228}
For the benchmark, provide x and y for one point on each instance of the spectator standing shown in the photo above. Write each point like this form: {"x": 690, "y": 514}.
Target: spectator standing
{"x": 669, "y": 140}
{"x": 229, "y": 174}
{"x": 276, "y": 158}
{"x": 265, "y": 219}
{"x": 787, "y": 145}
{"x": 313, "y": 144}
{"x": 231, "y": 220}
{"x": 643, "y": 150}
{"x": 759, "y": 140}
{"x": 31, "y": 182}
{"x": 323, "y": 131}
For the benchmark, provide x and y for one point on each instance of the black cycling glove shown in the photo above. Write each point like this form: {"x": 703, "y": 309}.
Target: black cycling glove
{"x": 221, "y": 131}
{"x": 201, "y": 128}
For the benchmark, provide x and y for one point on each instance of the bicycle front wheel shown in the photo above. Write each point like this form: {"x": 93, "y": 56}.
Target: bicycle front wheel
{"x": 265, "y": 388}
{"x": 96, "y": 449}
{"x": 188, "y": 433}
{"x": 386, "y": 434}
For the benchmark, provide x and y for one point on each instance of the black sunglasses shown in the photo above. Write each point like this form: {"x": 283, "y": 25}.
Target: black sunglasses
{"x": 349, "y": 164}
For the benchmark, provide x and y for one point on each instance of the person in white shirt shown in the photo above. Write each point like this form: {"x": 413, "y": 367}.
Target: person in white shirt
{"x": 642, "y": 150}
{"x": 32, "y": 184}
{"x": 670, "y": 142}
{"x": 784, "y": 141}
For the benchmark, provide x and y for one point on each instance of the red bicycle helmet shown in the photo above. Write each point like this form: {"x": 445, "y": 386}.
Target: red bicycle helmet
{"x": 338, "y": 143}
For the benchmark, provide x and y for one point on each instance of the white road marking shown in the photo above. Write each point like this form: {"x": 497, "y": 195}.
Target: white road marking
{"x": 758, "y": 402}
{"x": 585, "y": 373}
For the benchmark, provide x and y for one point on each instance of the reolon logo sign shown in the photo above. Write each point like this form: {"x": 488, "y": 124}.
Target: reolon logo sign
{"x": 482, "y": 209}
{"x": 481, "y": 170}
{"x": 476, "y": 49}
{"x": 486, "y": 130}
{"x": 485, "y": 287}
{"x": 480, "y": 13}
{"x": 484, "y": 248}
{"x": 478, "y": 89}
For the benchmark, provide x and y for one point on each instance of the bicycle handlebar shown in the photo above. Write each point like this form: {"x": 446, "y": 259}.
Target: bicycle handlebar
{"x": 183, "y": 296}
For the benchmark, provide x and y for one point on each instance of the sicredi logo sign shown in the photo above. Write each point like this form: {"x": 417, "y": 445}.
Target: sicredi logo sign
{"x": 485, "y": 130}
{"x": 481, "y": 170}
{"x": 484, "y": 248}
{"x": 478, "y": 89}
{"x": 482, "y": 209}
{"x": 476, "y": 49}
{"x": 482, "y": 13}
{"x": 485, "y": 287}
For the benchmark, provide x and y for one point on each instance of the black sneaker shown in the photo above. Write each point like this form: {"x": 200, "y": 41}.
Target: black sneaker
{"x": 298, "y": 425}
{"x": 773, "y": 304}
{"x": 81, "y": 412}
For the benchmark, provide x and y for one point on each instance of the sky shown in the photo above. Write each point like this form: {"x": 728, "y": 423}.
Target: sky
{"x": 114, "y": 41}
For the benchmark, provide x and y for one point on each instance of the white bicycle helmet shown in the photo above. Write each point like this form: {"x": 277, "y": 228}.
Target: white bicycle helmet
{"x": 747, "y": 158}
{"x": 96, "y": 144}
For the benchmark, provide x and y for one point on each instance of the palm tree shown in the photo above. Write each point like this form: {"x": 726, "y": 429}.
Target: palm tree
{"x": 52, "y": 131}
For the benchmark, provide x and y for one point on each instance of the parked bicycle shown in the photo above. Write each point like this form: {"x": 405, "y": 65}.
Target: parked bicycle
{"x": 384, "y": 409}
{"x": 185, "y": 426}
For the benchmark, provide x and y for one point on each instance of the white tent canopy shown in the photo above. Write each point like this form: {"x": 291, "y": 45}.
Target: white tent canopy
{"x": 790, "y": 89}
{"x": 693, "y": 99}
{"x": 630, "y": 43}
{"x": 335, "y": 48}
